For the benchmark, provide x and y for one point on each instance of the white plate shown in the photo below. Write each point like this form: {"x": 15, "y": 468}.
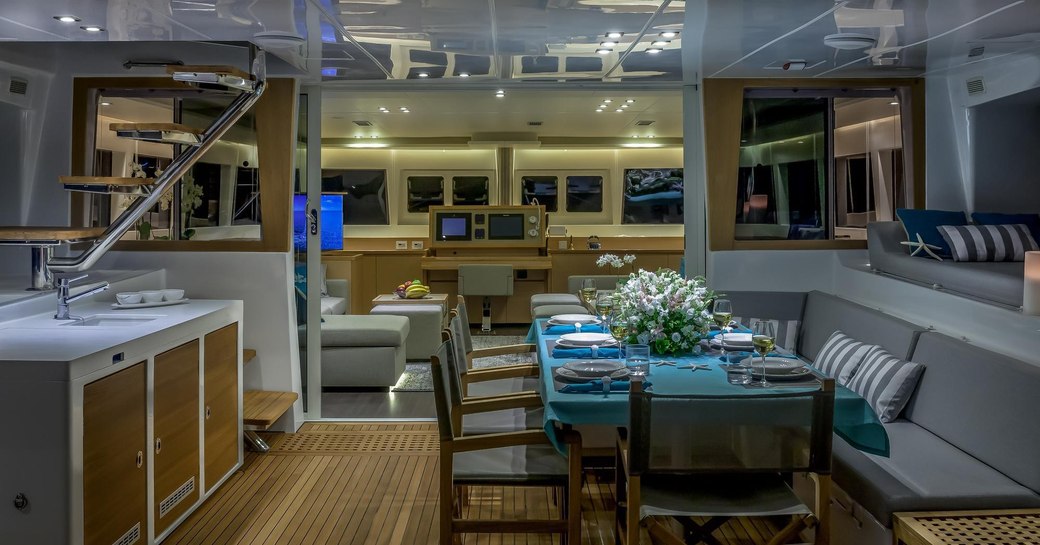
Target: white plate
{"x": 571, "y": 376}
{"x": 733, "y": 338}
{"x": 554, "y": 322}
{"x": 799, "y": 373}
{"x": 776, "y": 365}
{"x": 586, "y": 339}
{"x": 593, "y": 368}
{"x": 572, "y": 319}
{"x": 564, "y": 344}
{"x": 150, "y": 305}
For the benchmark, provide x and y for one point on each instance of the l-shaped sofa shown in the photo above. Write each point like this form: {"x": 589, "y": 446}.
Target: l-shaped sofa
{"x": 968, "y": 439}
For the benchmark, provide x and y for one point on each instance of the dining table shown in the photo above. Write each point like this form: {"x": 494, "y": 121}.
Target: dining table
{"x": 687, "y": 374}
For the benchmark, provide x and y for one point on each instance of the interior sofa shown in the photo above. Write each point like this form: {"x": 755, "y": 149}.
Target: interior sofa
{"x": 1000, "y": 282}
{"x": 968, "y": 439}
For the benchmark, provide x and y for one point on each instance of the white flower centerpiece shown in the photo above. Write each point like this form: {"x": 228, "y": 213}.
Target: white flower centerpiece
{"x": 664, "y": 310}
{"x": 615, "y": 262}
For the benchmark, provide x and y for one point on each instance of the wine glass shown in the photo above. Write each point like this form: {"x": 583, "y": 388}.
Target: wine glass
{"x": 604, "y": 305}
{"x": 618, "y": 327}
{"x": 722, "y": 313}
{"x": 764, "y": 340}
{"x": 588, "y": 291}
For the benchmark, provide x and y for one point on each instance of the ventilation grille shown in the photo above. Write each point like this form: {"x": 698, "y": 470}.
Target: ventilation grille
{"x": 173, "y": 499}
{"x": 534, "y": 123}
{"x": 363, "y": 123}
{"x": 644, "y": 123}
{"x": 976, "y": 87}
{"x": 18, "y": 86}
{"x": 130, "y": 537}
{"x": 976, "y": 51}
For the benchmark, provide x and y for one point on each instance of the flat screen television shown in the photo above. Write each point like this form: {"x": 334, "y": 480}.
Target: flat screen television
{"x": 505, "y": 226}
{"x": 452, "y": 226}
{"x": 331, "y": 222}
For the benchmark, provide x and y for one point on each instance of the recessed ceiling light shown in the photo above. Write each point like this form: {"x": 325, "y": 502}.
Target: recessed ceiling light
{"x": 630, "y": 100}
{"x": 403, "y": 108}
{"x": 604, "y": 51}
{"x": 668, "y": 34}
{"x": 619, "y": 110}
{"x": 92, "y": 28}
{"x": 67, "y": 18}
{"x": 654, "y": 50}
{"x": 894, "y": 103}
{"x": 624, "y": 105}
{"x": 801, "y": 141}
{"x": 743, "y": 140}
{"x": 651, "y": 136}
{"x": 463, "y": 74}
{"x": 598, "y": 110}
{"x": 607, "y": 44}
{"x": 422, "y": 75}
{"x": 385, "y": 111}
{"x": 613, "y": 35}
{"x": 660, "y": 43}
{"x": 607, "y": 101}
{"x": 406, "y": 111}
{"x": 106, "y": 103}
{"x": 849, "y": 41}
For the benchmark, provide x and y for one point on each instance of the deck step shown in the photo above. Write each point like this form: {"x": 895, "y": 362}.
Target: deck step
{"x": 248, "y": 355}
{"x": 108, "y": 184}
{"x": 212, "y": 75}
{"x": 162, "y": 133}
{"x": 262, "y": 408}
{"x": 47, "y": 236}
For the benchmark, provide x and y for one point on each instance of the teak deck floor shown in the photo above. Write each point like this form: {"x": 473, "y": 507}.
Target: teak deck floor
{"x": 376, "y": 484}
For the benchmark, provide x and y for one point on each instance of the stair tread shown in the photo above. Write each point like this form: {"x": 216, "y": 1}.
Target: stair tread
{"x": 263, "y": 408}
{"x": 170, "y": 127}
{"x": 106, "y": 180}
{"x": 248, "y": 355}
{"x": 209, "y": 69}
{"x": 27, "y": 233}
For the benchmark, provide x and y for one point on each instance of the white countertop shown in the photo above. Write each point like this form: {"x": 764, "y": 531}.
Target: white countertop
{"x": 41, "y": 338}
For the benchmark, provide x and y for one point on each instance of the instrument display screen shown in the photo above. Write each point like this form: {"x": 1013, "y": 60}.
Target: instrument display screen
{"x": 506, "y": 227}
{"x": 451, "y": 226}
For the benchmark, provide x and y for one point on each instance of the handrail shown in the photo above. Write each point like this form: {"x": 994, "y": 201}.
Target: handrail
{"x": 177, "y": 169}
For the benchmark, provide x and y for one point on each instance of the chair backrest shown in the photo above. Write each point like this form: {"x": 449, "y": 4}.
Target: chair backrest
{"x": 440, "y": 375}
{"x": 485, "y": 280}
{"x": 603, "y": 281}
{"x": 467, "y": 338}
{"x": 451, "y": 363}
{"x": 825, "y": 313}
{"x": 458, "y": 330}
{"x": 746, "y": 433}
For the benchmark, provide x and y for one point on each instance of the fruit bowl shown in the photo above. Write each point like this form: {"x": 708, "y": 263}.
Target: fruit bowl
{"x": 412, "y": 289}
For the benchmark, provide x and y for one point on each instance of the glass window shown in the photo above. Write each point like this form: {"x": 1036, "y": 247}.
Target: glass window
{"x": 653, "y": 195}
{"x": 364, "y": 195}
{"x": 541, "y": 190}
{"x": 469, "y": 190}
{"x": 425, "y": 191}
{"x": 584, "y": 193}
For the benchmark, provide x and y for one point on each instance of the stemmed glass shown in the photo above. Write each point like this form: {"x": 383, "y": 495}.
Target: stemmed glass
{"x": 764, "y": 340}
{"x": 722, "y": 313}
{"x": 618, "y": 329}
{"x": 588, "y": 292}
{"x": 604, "y": 305}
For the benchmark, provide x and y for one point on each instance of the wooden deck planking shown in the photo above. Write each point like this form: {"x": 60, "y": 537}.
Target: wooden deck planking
{"x": 367, "y": 495}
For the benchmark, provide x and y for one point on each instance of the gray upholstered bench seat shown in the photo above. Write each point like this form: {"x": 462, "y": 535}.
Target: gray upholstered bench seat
{"x": 361, "y": 330}
{"x": 425, "y": 323}
{"x": 361, "y": 350}
{"x": 542, "y": 299}
{"x": 546, "y": 311}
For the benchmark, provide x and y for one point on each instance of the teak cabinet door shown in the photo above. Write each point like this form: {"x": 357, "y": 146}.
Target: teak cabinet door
{"x": 115, "y": 476}
{"x": 176, "y": 442}
{"x": 220, "y": 411}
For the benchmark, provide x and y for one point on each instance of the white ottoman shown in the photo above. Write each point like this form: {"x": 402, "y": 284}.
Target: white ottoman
{"x": 424, "y": 327}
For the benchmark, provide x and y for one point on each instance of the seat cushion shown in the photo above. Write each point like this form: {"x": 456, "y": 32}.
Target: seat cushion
{"x": 546, "y": 311}
{"x": 1032, "y": 221}
{"x": 362, "y": 330}
{"x": 718, "y": 495}
{"x": 540, "y": 299}
{"x": 333, "y": 305}
{"x": 534, "y": 464}
{"x": 825, "y": 314}
{"x": 924, "y": 223}
{"x": 923, "y": 473}
{"x": 988, "y": 242}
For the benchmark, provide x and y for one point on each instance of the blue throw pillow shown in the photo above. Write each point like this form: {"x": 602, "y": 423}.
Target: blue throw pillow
{"x": 1032, "y": 221}
{"x": 924, "y": 223}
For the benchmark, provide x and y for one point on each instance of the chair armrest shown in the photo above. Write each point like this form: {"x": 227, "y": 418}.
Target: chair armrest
{"x": 495, "y": 373}
{"x": 503, "y": 350}
{"x": 498, "y": 403}
{"x": 498, "y": 440}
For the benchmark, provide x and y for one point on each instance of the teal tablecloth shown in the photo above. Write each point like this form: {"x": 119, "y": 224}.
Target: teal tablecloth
{"x": 854, "y": 420}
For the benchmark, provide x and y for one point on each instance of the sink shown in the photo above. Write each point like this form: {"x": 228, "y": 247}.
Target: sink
{"x": 110, "y": 320}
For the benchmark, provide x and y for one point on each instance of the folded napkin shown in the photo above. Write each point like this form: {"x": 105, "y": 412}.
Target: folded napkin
{"x": 575, "y": 353}
{"x": 713, "y": 332}
{"x": 597, "y": 387}
{"x": 562, "y": 329}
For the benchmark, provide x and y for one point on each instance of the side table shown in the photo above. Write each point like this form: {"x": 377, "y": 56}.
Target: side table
{"x": 995, "y": 527}
{"x": 430, "y": 299}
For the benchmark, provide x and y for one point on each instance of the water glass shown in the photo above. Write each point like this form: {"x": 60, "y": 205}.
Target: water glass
{"x": 738, "y": 374}
{"x": 637, "y": 359}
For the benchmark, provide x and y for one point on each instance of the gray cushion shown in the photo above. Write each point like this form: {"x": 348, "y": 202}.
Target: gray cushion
{"x": 775, "y": 305}
{"x": 923, "y": 473}
{"x": 362, "y": 330}
{"x": 532, "y": 463}
{"x": 333, "y": 305}
{"x": 840, "y": 356}
{"x": 1000, "y": 282}
{"x": 988, "y": 242}
{"x": 984, "y": 403}
{"x": 886, "y": 382}
{"x": 546, "y": 311}
{"x": 825, "y": 314}
{"x": 540, "y": 299}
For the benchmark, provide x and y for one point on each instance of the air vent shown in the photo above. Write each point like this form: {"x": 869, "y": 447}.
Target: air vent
{"x": 644, "y": 123}
{"x": 363, "y": 123}
{"x": 18, "y": 86}
{"x": 534, "y": 123}
{"x": 976, "y": 87}
{"x": 976, "y": 51}
{"x": 130, "y": 537}
{"x": 171, "y": 501}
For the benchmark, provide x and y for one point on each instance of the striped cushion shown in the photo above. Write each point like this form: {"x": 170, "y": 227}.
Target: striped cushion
{"x": 840, "y": 356}
{"x": 886, "y": 382}
{"x": 988, "y": 242}
{"x": 786, "y": 330}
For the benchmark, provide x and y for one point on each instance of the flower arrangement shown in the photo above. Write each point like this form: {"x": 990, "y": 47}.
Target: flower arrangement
{"x": 664, "y": 310}
{"x": 615, "y": 262}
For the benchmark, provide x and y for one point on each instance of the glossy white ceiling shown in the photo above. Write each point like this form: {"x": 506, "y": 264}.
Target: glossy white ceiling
{"x": 514, "y": 41}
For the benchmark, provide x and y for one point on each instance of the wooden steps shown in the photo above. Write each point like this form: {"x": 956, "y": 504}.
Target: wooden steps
{"x": 212, "y": 75}
{"x": 262, "y": 408}
{"x": 248, "y": 355}
{"x": 161, "y": 133}
{"x": 107, "y": 184}
{"x": 47, "y": 236}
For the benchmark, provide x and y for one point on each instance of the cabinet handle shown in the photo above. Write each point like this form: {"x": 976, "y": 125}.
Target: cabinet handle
{"x": 140, "y": 459}
{"x": 158, "y": 445}
{"x": 207, "y": 413}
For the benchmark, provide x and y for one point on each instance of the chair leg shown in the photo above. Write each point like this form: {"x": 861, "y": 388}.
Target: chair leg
{"x": 659, "y": 533}
{"x": 823, "y": 509}
{"x": 447, "y": 501}
{"x": 788, "y": 532}
{"x": 632, "y": 512}
{"x": 694, "y": 533}
{"x": 573, "y": 503}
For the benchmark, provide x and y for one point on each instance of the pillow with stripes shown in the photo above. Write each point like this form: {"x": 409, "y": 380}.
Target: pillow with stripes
{"x": 786, "y": 330}
{"x": 988, "y": 242}
{"x": 886, "y": 382}
{"x": 840, "y": 356}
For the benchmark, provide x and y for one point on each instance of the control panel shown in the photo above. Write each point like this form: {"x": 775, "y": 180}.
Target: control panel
{"x": 487, "y": 226}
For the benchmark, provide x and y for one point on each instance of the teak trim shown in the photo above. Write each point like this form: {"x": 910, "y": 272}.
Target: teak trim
{"x": 275, "y": 115}
{"x": 723, "y": 105}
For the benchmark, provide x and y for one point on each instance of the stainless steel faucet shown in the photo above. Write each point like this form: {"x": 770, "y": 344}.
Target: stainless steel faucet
{"x": 64, "y": 299}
